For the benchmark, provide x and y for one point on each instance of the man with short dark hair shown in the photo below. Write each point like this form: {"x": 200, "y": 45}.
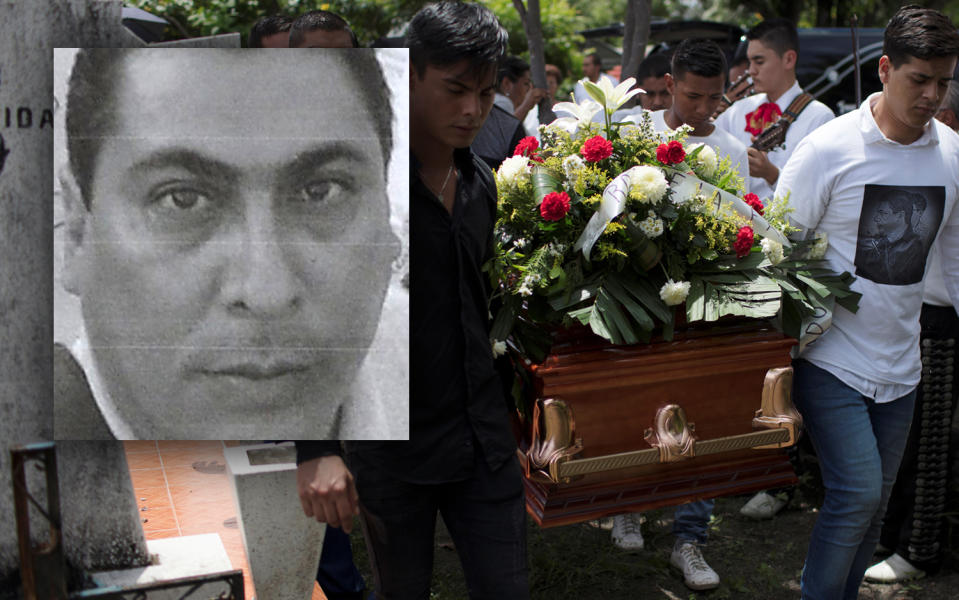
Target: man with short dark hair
{"x": 695, "y": 86}
{"x": 652, "y": 79}
{"x": 322, "y": 29}
{"x": 231, "y": 273}
{"x": 915, "y": 517}
{"x": 461, "y": 459}
{"x": 772, "y": 51}
{"x": 856, "y": 385}
{"x": 271, "y": 32}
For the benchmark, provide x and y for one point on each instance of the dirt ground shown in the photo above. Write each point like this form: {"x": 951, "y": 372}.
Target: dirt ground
{"x": 754, "y": 559}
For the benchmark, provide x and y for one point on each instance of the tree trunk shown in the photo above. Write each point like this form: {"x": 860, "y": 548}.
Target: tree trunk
{"x": 635, "y": 36}
{"x": 530, "y": 15}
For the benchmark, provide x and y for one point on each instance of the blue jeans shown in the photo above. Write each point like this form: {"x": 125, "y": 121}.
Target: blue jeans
{"x": 860, "y": 444}
{"x": 691, "y": 520}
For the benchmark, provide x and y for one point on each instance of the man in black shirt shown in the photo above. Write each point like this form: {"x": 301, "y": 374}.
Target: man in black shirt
{"x": 461, "y": 457}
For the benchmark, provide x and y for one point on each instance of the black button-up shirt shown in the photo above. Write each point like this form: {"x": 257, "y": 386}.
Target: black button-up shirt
{"x": 456, "y": 398}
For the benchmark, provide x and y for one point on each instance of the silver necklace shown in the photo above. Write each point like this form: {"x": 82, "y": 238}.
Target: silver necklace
{"x": 445, "y": 182}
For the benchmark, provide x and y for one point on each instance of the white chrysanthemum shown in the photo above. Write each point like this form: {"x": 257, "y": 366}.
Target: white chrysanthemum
{"x": 652, "y": 226}
{"x": 525, "y": 290}
{"x": 572, "y": 165}
{"x": 499, "y": 348}
{"x": 511, "y": 170}
{"x": 556, "y": 249}
{"x": 674, "y": 292}
{"x": 520, "y": 243}
{"x": 818, "y": 250}
{"x": 649, "y": 183}
{"x": 706, "y": 159}
{"x": 773, "y": 250}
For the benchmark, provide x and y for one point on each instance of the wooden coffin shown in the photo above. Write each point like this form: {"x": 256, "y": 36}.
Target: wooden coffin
{"x": 615, "y": 429}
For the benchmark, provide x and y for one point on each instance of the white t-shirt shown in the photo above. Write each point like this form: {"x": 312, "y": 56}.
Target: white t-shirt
{"x": 727, "y": 144}
{"x": 882, "y": 205}
{"x": 934, "y": 286}
{"x": 734, "y": 121}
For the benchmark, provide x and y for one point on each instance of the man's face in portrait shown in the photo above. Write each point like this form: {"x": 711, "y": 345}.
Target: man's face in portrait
{"x": 657, "y": 96}
{"x": 450, "y": 103}
{"x": 887, "y": 220}
{"x": 235, "y": 251}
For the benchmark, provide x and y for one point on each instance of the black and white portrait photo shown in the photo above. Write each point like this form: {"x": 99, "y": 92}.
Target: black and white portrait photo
{"x": 228, "y": 244}
{"x": 896, "y": 228}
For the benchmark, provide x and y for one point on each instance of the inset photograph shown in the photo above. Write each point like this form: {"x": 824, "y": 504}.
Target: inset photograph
{"x": 230, "y": 227}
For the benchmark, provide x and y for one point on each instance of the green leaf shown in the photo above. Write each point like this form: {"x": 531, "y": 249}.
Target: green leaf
{"x": 696, "y": 300}
{"x": 646, "y": 294}
{"x": 543, "y": 183}
{"x": 817, "y": 287}
{"x": 573, "y": 297}
{"x": 614, "y": 318}
{"x": 597, "y": 325}
{"x": 505, "y": 317}
{"x": 640, "y": 316}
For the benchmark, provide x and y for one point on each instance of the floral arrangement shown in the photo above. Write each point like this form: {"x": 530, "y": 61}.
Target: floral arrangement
{"x": 614, "y": 226}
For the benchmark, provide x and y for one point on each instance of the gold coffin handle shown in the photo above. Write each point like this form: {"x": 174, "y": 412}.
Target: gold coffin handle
{"x": 672, "y": 434}
{"x": 777, "y": 410}
{"x": 553, "y": 441}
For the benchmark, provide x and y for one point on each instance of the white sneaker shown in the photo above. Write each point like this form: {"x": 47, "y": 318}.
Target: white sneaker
{"x": 892, "y": 570}
{"x": 626, "y": 531}
{"x": 697, "y": 574}
{"x": 762, "y": 506}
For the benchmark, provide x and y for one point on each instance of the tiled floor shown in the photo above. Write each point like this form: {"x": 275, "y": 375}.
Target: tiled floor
{"x": 182, "y": 488}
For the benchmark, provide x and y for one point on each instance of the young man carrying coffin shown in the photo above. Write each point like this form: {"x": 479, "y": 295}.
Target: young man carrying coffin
{"x": 876, "y": 180}
{"x": 460, "y": 460}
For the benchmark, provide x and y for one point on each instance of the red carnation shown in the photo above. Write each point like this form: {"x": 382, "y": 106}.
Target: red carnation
{"x": 526, "y": 147}
{"x": 754, "y": 201}
{"x": 555, "y": 205}
{"x": 671, "y": 153}
{"x": 596, "y": 149}
{"x": 744, "y": 241}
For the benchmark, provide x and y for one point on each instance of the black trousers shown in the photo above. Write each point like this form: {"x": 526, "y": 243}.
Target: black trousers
{"x": 484, "y": 514}
{"x": 913, "y": 522}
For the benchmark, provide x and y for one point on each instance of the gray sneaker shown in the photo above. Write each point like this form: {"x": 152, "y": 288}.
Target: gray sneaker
{"x": 697, "y": 575}
{"x": 626, "y": 532}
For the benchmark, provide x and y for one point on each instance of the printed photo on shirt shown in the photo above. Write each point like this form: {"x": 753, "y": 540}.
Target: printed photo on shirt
{"x": 897, "y": 226}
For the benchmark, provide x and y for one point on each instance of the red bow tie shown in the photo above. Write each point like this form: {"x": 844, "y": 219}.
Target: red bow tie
{"x": 765, "y": 115}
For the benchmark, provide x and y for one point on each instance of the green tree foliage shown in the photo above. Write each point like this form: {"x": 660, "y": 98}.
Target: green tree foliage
{"x": 560, "y": 23}
{"x": 370, "y": 19}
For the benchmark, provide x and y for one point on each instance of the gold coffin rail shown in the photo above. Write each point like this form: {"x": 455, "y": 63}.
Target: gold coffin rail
{"x": 550, "y": 457}
{"x": 623, "y": 460}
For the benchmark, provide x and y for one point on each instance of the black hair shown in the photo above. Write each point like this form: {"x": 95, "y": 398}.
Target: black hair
{"x": 923, "y": 33}
{"x": 511, "y": 68}
{"x": 741, "y": 55}
{"x": 319, "y": 19}
{"x": 778, "y": 34}
{"x": 654, "y": 65}
{"x": 951, "y": 99}
{"x": 97, "y": 71}
{"x": 699, "y": 57}
{"x": 268, "y": 26}
{"x": 595, "y": 58}
{"x": 445, "y": 33}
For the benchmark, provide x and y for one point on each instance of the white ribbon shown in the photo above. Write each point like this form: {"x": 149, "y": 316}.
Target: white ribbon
{"x": 610, "y": 207}
{"x": 683, "y": 184}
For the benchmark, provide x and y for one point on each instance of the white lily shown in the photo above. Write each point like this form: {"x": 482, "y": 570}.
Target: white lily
{"x": 582, "y": 114}
{"x": 611, "y": 97}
